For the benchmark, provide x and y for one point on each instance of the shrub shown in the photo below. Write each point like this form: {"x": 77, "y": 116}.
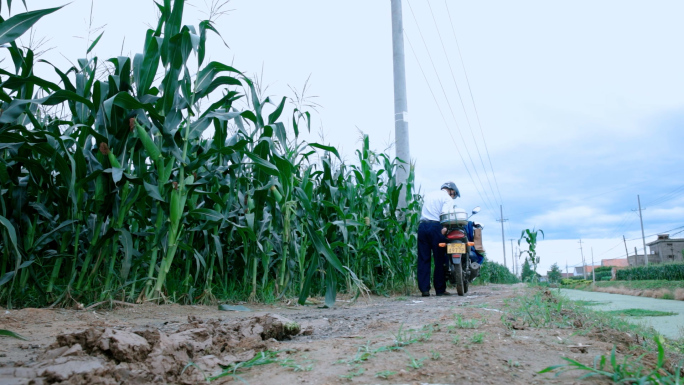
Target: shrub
{"x": 492, "y": 272}
{"x": 669, "y": 272}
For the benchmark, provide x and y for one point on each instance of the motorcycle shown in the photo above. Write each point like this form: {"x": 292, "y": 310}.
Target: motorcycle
{"x": 463, "y": 260}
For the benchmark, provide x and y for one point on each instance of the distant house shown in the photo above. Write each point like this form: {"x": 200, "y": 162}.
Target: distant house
{"x": 617, "y": 262}
{"x": 666, "y": 249}
{"x": 580, "y": 270}
{"x": 662, "y": 250}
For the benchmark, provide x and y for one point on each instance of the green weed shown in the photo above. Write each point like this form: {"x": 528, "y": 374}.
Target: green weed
{"x": 262, "y": 358}
{"x": 351, "y": 375}
{"x": 465, "y": 324}
{"x": 640, "y": 313}
{"x": 385, "y": 374}
{"x": 629, "y": 370}
{"x": 477, "y": 338}
{"x": 591, "y": 303}
{"x": 415, "y": 363}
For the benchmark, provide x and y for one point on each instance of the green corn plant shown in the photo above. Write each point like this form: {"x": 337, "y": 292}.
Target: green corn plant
{"x": 530, "y": 237}
{"x": 112, "y": 185}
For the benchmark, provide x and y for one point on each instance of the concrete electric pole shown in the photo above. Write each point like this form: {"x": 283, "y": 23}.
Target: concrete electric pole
{"x": 513, "y": 264}
{"x": 593, "y": 268}
{"x": 625, "y": 241}
{"x": 584, "y": 265}
{"x": 503, "y": 237}
{"x": 643, "y": 237}
{"x": 401, "y": 134}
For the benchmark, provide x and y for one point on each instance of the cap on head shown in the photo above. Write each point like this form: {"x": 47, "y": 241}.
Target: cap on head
{"x": 452, "y": 186}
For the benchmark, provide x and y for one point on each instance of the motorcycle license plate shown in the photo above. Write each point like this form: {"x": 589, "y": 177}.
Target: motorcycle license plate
{"x": 456, "y": 248}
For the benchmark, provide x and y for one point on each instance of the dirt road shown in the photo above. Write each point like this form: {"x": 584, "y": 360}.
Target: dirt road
{"x": 670, "y": 326}
{"x": 477, "y": 339}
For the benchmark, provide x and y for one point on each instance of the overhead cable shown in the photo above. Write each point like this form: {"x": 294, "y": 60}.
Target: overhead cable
{"x": 460, "y": 98}
{"x": 477, "y": 114}
{"x": 446, "y": 125}
{"x": 447, "y": 101}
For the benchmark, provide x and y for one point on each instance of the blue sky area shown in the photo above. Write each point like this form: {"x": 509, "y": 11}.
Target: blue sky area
{"x": 580, "y": 103}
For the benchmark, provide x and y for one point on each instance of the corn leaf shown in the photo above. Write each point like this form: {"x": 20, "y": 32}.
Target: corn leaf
{"x": 17, "y": 25}
{"x": 9, "y": 333}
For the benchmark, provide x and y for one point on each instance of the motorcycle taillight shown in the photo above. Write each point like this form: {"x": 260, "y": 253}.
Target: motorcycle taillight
{"x": 456, "y": 234}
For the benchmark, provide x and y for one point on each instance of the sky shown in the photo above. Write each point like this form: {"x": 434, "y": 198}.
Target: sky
{"x": 561, "y": 112}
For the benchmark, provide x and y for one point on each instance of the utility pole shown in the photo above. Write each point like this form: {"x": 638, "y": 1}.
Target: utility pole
{"x": 593, "y": 268}
{"x": 643, "y": 237}
{"x": 503, "y": 238}
{"x": 584, "y": 265}
{"x": 401, "y": 134}
{"x": 636, "y": 263}
{"x": 626, "y": 252}
{"x": 513, "y": 256}
{"x": 567, "y": 274}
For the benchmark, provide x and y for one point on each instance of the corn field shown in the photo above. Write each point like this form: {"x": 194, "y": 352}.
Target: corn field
{"x": 114, "y": 187}
{"x": 668, "y": 272}
{"x": 493, "y": 272}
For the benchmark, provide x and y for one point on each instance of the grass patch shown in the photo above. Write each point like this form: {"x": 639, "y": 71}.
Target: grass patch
{"x": 639, "y": 355}
{"x": 640, "y": 313}
{"x": 591, "y": 303}
{"x": 628, "y": 370}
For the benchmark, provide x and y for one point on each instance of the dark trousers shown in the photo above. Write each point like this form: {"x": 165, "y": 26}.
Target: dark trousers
{"x": 429, "y": 237}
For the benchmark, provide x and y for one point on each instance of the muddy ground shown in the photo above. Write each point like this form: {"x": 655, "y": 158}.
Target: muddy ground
{"x": 445, "y": 340}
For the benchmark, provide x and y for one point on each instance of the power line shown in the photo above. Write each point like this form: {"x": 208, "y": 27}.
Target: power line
{"x": 667, "y": 197}
{"x": 446, "y": 98}
{"x": 658, "y": 233}
{"x": 460, "y": 98}
{"x": 453, "y": 30}
{"x": 445, "y": 122}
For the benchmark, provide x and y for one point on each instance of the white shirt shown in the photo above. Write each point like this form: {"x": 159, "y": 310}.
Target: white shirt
{"x": 433, "y": 203}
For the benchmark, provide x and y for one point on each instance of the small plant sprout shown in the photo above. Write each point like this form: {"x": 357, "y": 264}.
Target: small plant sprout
{"x": 477, "y": 338}
{"x": 456, "y": 339}
{"x": 359, "y": 371}
{"x": 385, "y": 374}
{"x": 415, "y": 363}
{"x": 465, "y": 324}
{"x": 435, "y": 355}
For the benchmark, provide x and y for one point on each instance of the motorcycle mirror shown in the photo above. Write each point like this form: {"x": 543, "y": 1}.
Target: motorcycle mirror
{"x": 476, "y": 210}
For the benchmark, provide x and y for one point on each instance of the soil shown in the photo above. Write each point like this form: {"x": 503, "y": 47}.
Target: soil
{"x": 445, "y": 340}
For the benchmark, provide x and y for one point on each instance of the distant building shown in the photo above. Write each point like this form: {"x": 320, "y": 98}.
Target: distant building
{"x": 662, "y": 250}
{"x": 666, "y": 249}
{"x": 617, "y": 262}
{"x": 580, "y": 270}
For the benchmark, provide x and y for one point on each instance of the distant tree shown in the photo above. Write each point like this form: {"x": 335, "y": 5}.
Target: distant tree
{"x": 555, "y": 274}
{"x": 527, "y": 272}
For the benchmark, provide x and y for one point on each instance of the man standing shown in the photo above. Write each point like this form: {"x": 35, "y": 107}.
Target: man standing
{"x": 430, "y": 234}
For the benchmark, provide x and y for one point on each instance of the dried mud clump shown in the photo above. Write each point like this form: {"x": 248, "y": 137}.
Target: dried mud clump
{"x": 151, "y": 356}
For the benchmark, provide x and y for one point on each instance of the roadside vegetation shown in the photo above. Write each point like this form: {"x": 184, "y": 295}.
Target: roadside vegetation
{"x": 641, "y": 313}
{"x": 113, "y": 190}
{"x": 493, "y": 272}
{"x": 164, "y": 177}
{"x": 664, "y": 281}
{"x": 639, "y": 355}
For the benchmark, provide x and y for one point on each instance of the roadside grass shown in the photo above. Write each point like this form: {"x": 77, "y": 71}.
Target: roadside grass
{"x": 661, "y": 289}
{"x": 634, "y": 346}
{"x": 640, "y": 313}
{"x": 591, "y": 303}
{"x": 629, "y": 370}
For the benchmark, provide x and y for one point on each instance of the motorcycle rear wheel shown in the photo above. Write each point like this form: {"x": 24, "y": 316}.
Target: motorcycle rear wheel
{"x": 458, "y": 278}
